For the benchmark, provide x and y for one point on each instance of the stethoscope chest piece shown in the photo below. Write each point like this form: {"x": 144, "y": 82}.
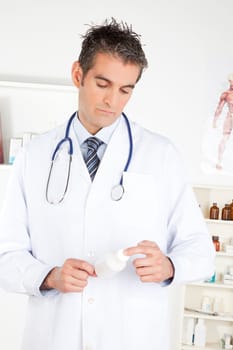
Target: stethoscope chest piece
{"x": 117, "y": 192}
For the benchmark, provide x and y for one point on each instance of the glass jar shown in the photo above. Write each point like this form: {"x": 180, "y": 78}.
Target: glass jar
{"x": 226, "y": 212}
{"x": 231, "y": 207}
{"x": 214, "y": 212}
{"x": 216, "y": 242}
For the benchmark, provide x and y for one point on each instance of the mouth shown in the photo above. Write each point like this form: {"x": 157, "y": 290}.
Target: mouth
{"x": 105, "y": 111}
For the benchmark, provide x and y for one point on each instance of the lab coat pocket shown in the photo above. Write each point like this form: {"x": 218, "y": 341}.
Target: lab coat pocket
{"x": 138, "y": 207}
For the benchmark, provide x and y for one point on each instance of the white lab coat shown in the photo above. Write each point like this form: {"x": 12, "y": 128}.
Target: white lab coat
{"x": 121, "y": 313}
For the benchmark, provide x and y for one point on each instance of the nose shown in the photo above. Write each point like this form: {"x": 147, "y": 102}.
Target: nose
{"x": 110, "y": 98}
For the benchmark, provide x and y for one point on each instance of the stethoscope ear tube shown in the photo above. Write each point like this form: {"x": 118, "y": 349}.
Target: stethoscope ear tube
{"x": 130, "y": 145}
{"x": 66, "y": 186}
{"x": 70, "y": 152}
{"x": 66, "y": 139}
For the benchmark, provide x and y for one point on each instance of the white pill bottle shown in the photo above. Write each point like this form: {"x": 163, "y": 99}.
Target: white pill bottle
{"x": 111, "y": 264}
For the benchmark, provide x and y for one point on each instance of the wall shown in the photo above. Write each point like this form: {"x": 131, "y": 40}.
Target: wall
{"x": 188, "y": 45}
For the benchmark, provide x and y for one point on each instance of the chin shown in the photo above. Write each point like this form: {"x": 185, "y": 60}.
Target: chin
{"x": 106, "y": 121}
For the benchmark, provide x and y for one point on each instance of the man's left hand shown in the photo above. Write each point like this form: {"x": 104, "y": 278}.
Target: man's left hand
{"x": 155, "y": 266}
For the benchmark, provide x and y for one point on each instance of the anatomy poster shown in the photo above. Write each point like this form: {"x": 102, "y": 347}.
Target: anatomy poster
{"x": 217, "y": 145}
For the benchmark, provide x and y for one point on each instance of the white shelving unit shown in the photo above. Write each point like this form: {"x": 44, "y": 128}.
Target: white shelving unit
{"x": 216, "y": 325}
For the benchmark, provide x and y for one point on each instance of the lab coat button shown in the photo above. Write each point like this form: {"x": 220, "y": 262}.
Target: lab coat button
{"x": 91, "y": 300}
{"x": 87, "y": 348}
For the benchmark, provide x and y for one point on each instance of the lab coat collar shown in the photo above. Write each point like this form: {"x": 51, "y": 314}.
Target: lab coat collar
{"x": 114, "y": 159}
{"x": 103, "y": 134}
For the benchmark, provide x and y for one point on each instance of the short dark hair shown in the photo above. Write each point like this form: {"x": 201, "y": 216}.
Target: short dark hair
{"x": 111, "y": 37}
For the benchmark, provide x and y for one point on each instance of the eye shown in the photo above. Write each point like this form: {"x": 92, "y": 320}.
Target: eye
{"x": 101, "y": 85}
{"x": 126, "y": 92}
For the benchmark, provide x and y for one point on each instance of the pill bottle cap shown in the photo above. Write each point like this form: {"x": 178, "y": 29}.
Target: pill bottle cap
{"x": 121, "y": 256}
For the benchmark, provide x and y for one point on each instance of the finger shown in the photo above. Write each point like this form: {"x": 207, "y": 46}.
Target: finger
{"x": 146, "y": 271}
{"x": 149, "y": 274}
{"x": 69, "y": 284}
{"x": 82, "y": 265}
{"x": 142, "y": 262}
{"x": 67, "y": 278}
{"x": 71, "y": 288}
{"x": 151, "y": 278}
{"x": 141, "y": 249}
{"x": 78, "y": 283}
{"x": 148, "y": 243}
{"x": 79, "y": 274}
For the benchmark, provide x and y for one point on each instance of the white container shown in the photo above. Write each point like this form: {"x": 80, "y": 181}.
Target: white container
{"x": 15, "y": 146}
{"x": 217, "y": 306}
{"x": 189, "y": 331}
{"x": 227, "y": 338}
{"x": 206, "y": 304}
{"x": 200, "y": 333}
{"x": 111, "y": 264}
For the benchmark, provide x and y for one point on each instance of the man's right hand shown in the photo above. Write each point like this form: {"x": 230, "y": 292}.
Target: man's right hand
{"x": 71, "y": 277}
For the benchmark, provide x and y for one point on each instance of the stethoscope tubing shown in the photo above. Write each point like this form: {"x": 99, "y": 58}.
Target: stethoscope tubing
{"x": 70, "y": 152}
{"x": 130, "y": 147}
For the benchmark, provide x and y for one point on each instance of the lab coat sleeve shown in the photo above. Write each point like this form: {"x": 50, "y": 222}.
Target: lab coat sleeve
{"x": 189, "y": 243}
{"x": 20, "y": 272}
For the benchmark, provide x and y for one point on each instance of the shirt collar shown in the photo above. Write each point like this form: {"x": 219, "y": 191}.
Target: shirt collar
{"x": 103, "y": 134}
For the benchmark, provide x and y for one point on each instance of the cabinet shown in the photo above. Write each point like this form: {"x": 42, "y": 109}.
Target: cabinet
{"x": 33, "y": 108}
{"x": 219, "y": 294}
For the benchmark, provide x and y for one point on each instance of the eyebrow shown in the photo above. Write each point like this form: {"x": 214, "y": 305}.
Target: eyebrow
{"x": 100, "y": 77}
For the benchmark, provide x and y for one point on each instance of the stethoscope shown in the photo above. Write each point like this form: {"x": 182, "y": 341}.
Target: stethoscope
{"x": 117, "y": 191}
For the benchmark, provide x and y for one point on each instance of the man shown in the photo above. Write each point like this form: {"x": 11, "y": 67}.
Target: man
{"x": 226, "y": 98}
{"x": 49, "y": 251}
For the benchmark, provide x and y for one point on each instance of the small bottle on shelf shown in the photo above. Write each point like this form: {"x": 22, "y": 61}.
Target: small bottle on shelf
{"x": 216, "y": 242}
{"x": 189, "y": 331}
{"x": 200, "y": 333}
{"x": 217, "y": 305}
{"x": 206, "y": 304}
{"x": 212, "y": 279}
{"x": 214, "y": 211}
{"x": 231, "y": 208}
{"x": 226, "y": 212}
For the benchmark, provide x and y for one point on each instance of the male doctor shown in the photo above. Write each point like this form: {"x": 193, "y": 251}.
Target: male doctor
{"x": 48, "y": 249}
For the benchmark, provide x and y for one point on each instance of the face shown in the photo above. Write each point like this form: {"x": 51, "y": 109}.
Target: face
{"x": 104, "y": 91}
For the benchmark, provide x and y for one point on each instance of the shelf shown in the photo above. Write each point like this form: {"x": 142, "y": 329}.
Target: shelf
{"x": 194, "y": 314}
{"x": 41, "y": 86}
{"x": 5, "y": 166}
{"x": 207, "y": 347}
{"x": 211, "y": 285}
{"x": 5, "y": 169}
{"x": 208, "y": 187}
{"x": 224, "y": 254}
{"x": 219, "y": 222}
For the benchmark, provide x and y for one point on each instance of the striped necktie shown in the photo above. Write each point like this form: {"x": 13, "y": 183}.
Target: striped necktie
{"x": 92, "y": 160}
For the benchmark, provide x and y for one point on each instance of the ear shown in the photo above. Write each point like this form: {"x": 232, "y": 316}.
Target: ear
{"x": 76, "y": 74}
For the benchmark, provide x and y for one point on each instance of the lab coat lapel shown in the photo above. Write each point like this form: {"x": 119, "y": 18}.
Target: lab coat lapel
{"x": 113, "y": 162}
{"x": 78, "y": 161}
{"x": 115, "y": 157}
